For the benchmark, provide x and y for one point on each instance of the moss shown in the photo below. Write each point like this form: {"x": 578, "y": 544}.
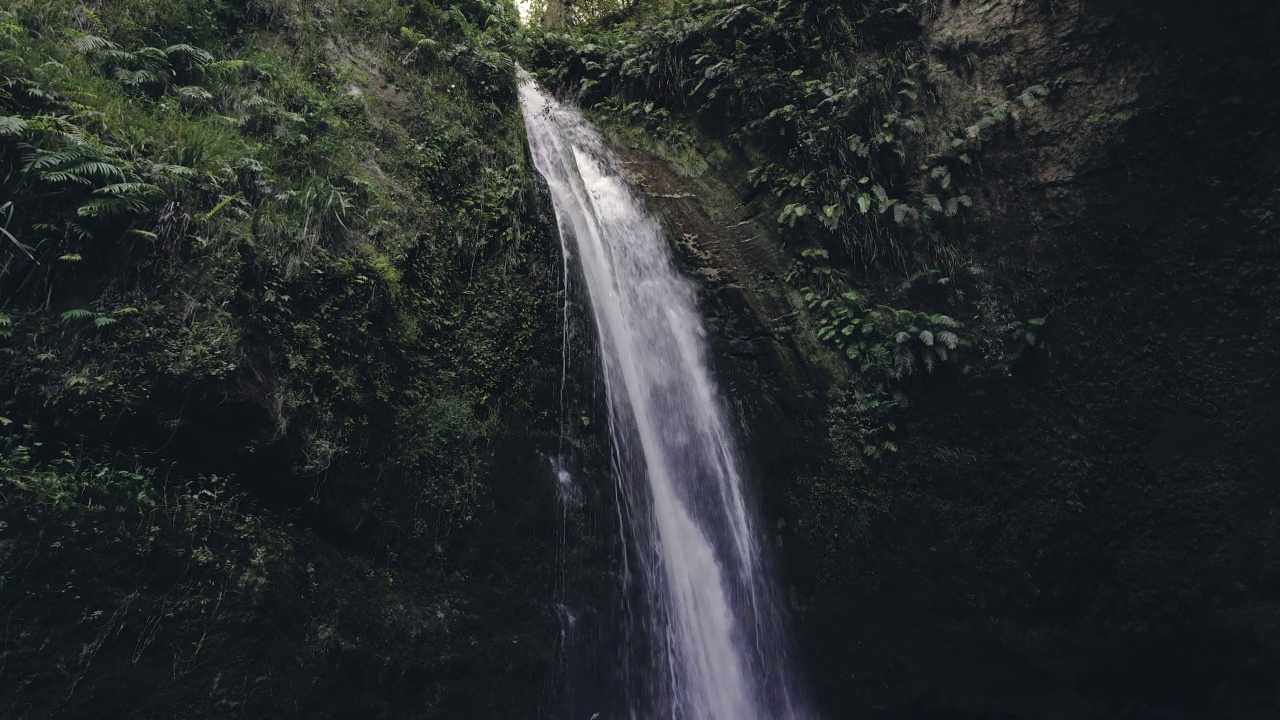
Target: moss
{"x": 292, "y": 251}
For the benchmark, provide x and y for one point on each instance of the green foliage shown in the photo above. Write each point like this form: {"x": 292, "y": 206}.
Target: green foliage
{"x": 836, "y": 106}
{"x": 881, "y": 343}
{"x": 837, "y": 130}
{"x": 64, "y": 479}
{"x": 210, "y": 202}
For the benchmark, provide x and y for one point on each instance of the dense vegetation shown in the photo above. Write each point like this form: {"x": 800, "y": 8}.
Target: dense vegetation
{"x": 1001, "y": 498}
{"x": 195, "y": 213}
{"x": 263, "y": 263}
{"x": 280, "y": 347}
{"x": 838, "y": 108}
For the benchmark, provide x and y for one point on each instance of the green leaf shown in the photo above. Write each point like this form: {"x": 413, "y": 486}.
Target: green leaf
{"x": 864, "y": 203}
{"x": 77, "y": 314}
{"x": 11, "y": 125}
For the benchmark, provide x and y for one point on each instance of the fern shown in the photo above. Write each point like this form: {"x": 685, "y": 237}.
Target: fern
{"x": 221, "y": 205}
{"x": 151, "y": 54}
{"x": 904, "y": 360}
{"x": 137, "y": 78}
{"x": 87, "y": 172}
{"x": 223, "y": 68}
{"x": 93, "y": 43}
{"x": 193, "y": 94}
{"x": 128, "y": 189}
{"x": 69, "y": 154}
{"x": 193, "y": 56}
{"x": 115, "y": 56}
{"x": 29, "y": 90}
{"x": 11, "y": 125}
{"x": 78, "y": 163}
{"x": 77, "y": 314}
{"x": 167, "y": 171}
{"x": 111, "y": 207}
{"x": 58, "y": 178}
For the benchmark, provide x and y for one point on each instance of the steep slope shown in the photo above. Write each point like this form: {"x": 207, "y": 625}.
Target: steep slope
{"x": 281, "y": 332}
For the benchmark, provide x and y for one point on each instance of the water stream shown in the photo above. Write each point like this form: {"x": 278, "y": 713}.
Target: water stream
{"x": 706, "y": 638}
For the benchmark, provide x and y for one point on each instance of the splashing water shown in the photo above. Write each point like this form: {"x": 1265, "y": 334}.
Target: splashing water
{"x": 707, "y": 639}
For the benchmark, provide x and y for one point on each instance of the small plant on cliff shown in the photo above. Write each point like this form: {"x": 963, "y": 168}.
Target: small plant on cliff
{"x": 879, "y": 341}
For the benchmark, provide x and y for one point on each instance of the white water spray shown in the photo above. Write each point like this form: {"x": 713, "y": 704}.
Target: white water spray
{"x": 709, "y": 635}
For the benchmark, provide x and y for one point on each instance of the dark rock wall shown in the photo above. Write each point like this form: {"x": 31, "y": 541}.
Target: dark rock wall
{"x": 1095, "y": 535}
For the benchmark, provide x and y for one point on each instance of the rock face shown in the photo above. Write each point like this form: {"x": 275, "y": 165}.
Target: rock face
{"x": 1093, "y": 535}
{"x": 239, "y": 482}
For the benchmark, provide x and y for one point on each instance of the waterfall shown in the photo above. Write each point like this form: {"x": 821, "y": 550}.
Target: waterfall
{"x": 707, "y": 640}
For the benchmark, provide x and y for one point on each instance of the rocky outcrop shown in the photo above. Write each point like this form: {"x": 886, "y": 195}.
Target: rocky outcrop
{"x": 1093, "y": 534}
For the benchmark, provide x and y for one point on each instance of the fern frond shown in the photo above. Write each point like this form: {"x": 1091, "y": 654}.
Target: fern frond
{"x": 92, "y": 169}
{"x": 169, "y": 170}
{"x": 128, "y": 189}
{"x": 904, "y": 361}
{"x": 256, "y": 101}
{"x": 110, "y": 207}
{"x": 30, "y": 89}
{"x": 72, "y": 153}
{"x": 193, "y": 93}
{"x": 11, "y": 125}
{"x": 92, "y": 43}
{"x": 155, "y": 55}
{"x": 57, "y": 177}
{"x": 77, "y": 314}
{"x": 116, "y": 56}
{"x": 193, "y": 55}
{"x": 221, "y": 205}
{"x": 223, "y": 68}
{"x": 137, "y": 78}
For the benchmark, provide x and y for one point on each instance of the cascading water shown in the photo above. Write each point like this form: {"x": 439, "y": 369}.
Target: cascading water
{"x": 706, "y": 641}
